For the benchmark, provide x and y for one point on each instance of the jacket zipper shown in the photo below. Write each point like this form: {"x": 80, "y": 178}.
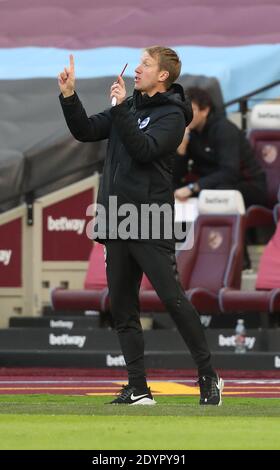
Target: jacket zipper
{"x": 116, "y": 171}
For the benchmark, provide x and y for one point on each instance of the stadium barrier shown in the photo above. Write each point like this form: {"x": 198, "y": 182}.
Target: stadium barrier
{"x": 18, "y": 272}
{"x": 60, "y": 225}
{"x": 53, "y": 251}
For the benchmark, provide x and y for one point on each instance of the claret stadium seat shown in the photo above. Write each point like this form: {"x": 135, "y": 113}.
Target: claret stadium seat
{"x": 269, "y": 268}
{"x": 266, "y": 146}
{"x": 266, "y": 297}
{"x": 237, "y": 301}
{"x": 95, "y": 295}
{"x": 214, "y": 261}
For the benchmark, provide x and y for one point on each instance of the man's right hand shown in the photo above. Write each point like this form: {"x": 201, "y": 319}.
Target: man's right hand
{"x": 66, "y": 79}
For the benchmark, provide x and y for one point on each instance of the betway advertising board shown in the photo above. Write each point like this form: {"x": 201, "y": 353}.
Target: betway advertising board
{"x": 64, "y": 228}
{"x": 11, "y": 254}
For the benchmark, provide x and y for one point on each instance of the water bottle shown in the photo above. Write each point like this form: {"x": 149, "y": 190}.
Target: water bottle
{"x": 240, "y": 337}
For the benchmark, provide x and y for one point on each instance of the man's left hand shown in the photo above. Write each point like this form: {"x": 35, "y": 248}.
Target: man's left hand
{"x": 118, "y": 90}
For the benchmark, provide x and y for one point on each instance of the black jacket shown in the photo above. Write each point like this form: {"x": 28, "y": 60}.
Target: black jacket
{"x": 221, "y": 156}
{"x": 144, "y": 133}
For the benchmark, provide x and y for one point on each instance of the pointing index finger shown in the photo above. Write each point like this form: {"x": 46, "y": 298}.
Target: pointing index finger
{"x": 120, "y": 80}
{"x": 72, "y": 63}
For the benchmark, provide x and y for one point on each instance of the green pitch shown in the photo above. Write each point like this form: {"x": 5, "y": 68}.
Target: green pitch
{"x": 81, "y": 422}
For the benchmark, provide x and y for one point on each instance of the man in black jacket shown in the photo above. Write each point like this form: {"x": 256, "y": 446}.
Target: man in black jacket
{"x": 144, "y": 132}
{"x": 215, "y": 154}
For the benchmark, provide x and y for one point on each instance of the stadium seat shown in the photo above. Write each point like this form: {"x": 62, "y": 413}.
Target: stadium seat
{"x": 218, "y": 243}
{"x": 96, "y": 272}
{"x": 236, "y": 301}
{"x": 79, "y": 299}
{"x": 95, "y": 295}
{"x": 266, "y": 146}
{"x": 266, "y": 297}
{"x": 269, "y": 267}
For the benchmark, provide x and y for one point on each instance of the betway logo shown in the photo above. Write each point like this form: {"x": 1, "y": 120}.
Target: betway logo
{"x": 217, "y": 200}
{"x": 269, "y": 115}
{"x": 63, "y": 224}
{"x": 228, "y": 341}
{"x": 277, "y": 362}
{"x": 117, "y": 361}
{"x": 61, "y": 324}
{"x": 67, "y": 340}
{"x": 5, "y": 257}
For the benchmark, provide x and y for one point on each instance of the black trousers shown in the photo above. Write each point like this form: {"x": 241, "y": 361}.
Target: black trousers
{"x": 125, "y": 263}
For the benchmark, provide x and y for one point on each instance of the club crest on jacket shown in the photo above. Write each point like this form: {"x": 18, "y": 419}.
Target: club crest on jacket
{"x": 143, "y": 123}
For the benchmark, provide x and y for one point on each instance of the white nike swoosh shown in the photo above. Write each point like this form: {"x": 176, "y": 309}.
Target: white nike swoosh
{"x": 219, "y": 385}
{"x": 133, "y": 398}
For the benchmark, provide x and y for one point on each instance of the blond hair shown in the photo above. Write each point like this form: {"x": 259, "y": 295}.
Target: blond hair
{"x": 168, "y": 60}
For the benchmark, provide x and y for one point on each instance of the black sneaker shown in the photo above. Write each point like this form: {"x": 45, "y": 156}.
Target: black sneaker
{"x": 210, "y": 390}
{"x": 129, "y": 395}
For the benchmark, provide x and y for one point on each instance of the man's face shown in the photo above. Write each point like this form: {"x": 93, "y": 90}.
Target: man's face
{"x": 199, "y": 117}
{"x": 148, "y": 78}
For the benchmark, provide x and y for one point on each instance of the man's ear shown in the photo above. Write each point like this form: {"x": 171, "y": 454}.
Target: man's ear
{"x": 206, "y": 111}
{"x": 163, "y": 76}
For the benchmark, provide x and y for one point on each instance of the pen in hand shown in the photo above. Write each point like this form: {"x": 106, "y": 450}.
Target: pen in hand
{"x": 114, "y": 99}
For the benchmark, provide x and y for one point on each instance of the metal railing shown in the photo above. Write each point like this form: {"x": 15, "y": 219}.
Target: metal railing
{"x": 242, "y": 101}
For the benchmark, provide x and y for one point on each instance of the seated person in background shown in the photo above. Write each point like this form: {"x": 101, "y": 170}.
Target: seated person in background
{"x": 215, "y": 154}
